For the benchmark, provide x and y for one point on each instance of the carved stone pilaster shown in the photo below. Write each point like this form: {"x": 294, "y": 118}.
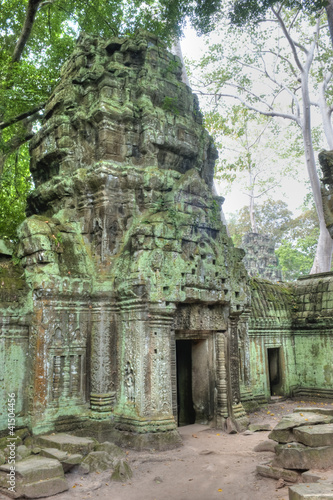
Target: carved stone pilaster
{"x": 234, "y": 360}
{"x": 103, "y": 369}
{"x": 221, "y": 380}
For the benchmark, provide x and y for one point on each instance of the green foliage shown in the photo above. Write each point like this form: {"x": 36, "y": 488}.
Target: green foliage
{"x": 251, "y": 11}
{"x": 15, "y": 185}
{"x": 298, "y": 247}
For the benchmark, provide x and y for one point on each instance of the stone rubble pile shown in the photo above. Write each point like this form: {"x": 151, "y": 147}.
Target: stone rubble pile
{"x": 303, "y": 453}
{"x": 41, "y": 463}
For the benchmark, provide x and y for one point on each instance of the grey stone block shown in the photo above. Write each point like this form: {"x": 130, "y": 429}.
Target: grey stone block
{"x": 298, "y": 456}
{"x": 259, "y": 427}
{"x": 312, "y": 491}
{"x": 35, "y": 477}
{"x": 67, "y": 442}
{"x": 267, "y": 445}
{"x": 282, "y": 432}
{"x": 315, "y": 435}
{"x": 278, "y": 473}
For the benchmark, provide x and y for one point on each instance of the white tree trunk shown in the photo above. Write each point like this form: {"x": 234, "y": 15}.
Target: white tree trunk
{"x": 323, "y": 257}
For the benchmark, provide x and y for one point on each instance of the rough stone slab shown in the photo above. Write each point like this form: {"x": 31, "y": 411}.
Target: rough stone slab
{"x": 323, "y": 411}
{"x": 71, "y": 461}
{"x": 34, "y": 469}
{"x": 282, "y": 432}
{"x": 111, "y": 449}
{"x": 314, "y": 435}
{"x": 35, "y": 477}
{"x": 281, "y": 436}
{"x": 54, "y": 453}
{"x": 67, "y": 442}
{"x": 46, "y": 488}
{"x": 302, "y": 457}
{"x": 259, "y": 427}
{"x": 315, "y": 476}
{"x": 310, "y": 477}
{"x": 312, "y": 491}
{"x": 98, "y": 461}
{"x": 278, "y": 473}
{"x": 267, "y": 445}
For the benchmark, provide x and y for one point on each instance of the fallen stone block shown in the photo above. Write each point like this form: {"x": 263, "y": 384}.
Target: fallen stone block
{"x": 278, "y": 473}
{"x": 312, "y": 491}
{"x": 23, "y": 451}
{"x": 68, "y": 461}
{"x": 282, "y": 432}
{"x": 315, "y": 476}
{"x": 67, "y": 442}
{"x": 54, "y": 453}
{"x": 98, "y": 461}
{"x": 268, "y": 445}
{"x": 71, "y": 461}
{"x": 323, "y": 411}
{"x": 111, "y": 449}
{"x": 298, "y": 456}
{"x": 259, "y": 427}
{"x": 35, "y": 477}
{"x": 310, "y": 477}
{"x": 315, "y": 435}
{"x": 122, "y": 471}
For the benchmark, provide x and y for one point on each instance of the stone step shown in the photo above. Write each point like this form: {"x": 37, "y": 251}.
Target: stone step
{"x": 316, "y": 476}
{"x": 298, "y": 456}
{"x": 267, "y": 470}
{"x": 315, "y": 409}
{"x": 314, "y": 435}
{"x": 68, "y": 461}
{"x": 35, "y": 477}
{"x": 67, "y": 442}
{"x": 312, "y": 491}
{"x": 282, "y": 432}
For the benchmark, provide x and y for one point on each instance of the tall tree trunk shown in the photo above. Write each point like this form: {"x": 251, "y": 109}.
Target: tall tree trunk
{"x": 323, "y": 257}
{"x": 329, "y": 12}
{"x": 251, "y": 204}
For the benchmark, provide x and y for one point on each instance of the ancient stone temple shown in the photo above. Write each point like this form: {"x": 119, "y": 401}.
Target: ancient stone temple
{"x": 124, "y": 314}
{"x": 260, "y": 259}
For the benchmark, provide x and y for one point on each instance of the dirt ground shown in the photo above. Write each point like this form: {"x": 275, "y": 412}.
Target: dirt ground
{"x": 211, "y": 465}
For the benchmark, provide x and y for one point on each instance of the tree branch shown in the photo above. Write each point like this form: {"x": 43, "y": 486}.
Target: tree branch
{"x": 21, "y": 117}
{"x": 252, "y": 108}
{"x": 29, "y": 20}
{"x": 289, "y": 39}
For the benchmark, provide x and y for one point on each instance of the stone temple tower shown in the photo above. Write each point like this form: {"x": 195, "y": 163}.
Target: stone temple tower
{"x": 132, "y": 293}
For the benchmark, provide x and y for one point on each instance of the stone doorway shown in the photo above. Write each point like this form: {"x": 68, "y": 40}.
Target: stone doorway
{"x": 194, "y": 380}
{"x": 274, "y": 370}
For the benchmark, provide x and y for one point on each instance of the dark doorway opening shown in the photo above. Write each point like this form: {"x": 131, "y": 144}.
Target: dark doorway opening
{"x": 274, "y": 371}
{"x": 186, "y": 412}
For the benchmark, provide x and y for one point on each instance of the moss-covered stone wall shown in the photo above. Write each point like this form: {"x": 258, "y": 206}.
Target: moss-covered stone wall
{"x": 297, "y": 320}
{"x": 124, "y": 253}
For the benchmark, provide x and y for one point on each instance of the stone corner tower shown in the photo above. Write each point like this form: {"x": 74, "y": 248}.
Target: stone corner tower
{"x": 135, "y": 289}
